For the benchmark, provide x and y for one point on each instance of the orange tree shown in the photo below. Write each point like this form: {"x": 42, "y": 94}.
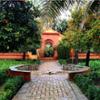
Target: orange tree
{"x": 18, "y": 28}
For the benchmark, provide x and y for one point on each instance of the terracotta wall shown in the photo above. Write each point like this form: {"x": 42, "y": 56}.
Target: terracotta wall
{"x": 30, "y": 56}
{"x": 17, "y": 56}
{"x": 83, "y": 56}
{"x": 92, "y": 55}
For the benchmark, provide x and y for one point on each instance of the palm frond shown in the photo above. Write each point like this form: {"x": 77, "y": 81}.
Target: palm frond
{"x": 51, "y": 8}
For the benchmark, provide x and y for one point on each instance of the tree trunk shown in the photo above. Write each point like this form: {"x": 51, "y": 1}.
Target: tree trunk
{"x": 87, "y": 58}
{"x": 24, "y": 55}
{"x": 76, "y": 57}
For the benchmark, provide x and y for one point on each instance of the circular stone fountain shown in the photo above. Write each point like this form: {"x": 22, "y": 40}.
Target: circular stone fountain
{"x": 23, "y": 70}
{"x": 73, "y": 70}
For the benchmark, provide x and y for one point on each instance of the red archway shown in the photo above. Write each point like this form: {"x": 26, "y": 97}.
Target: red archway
{"x": 52, "y": 37}
{"x": 49, "y": 41}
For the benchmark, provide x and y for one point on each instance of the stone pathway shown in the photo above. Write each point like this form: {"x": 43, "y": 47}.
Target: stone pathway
{"x": 52, "y": 67}
{"x": 49, "y": 87}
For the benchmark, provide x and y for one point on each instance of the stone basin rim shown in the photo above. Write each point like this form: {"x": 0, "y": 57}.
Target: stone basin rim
{"x": 79, "y": 71}
{"x": 14, "y": 68}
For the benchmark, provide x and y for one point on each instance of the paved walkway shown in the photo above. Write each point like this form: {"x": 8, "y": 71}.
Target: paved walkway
{"x": 49, "y": 87}
{"x": 52, "y": 67}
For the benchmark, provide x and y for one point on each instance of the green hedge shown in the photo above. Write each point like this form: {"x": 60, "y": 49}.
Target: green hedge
{"x": 94, "y": 65}
{"x": 86, "y": 84}
{"x": 62, "y": 61}
{"x": 11, "y": 87}
{"x": 63, "y": 52}
{"x": 2, "y": 77}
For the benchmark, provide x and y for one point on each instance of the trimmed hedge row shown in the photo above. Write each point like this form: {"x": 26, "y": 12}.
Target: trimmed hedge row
{"x": 87, "y": 85}
{"x": 11, "y": 87}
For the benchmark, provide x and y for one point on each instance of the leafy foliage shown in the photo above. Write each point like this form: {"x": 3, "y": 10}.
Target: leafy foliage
{"x": 94, "y": 65}
{"x": 2, "y": 77}
{"x": 83, "y": 32}
{"x": 52, "y": 8}
{"x": 10, "y": 88}
{"x": 60, "y": 26}
{"x": 63, "y": 51}
{"x": 5, "y": 64}
{"x": 18, "y": 29}
{"x": 49, "y": 50}
{"x": 87, "y": 86}
{"x": 62, "y": 61}
{"x": 95, "y": 6}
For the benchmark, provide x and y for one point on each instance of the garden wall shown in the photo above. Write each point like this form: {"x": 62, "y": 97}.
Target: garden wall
{"x": 92, "y": 55}
{"x": 83, "y": 56}
{"x": 18, "y": 56}
{"x": 30, "y": 56}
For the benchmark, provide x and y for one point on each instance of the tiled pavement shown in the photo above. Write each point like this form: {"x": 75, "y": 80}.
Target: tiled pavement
{"x": 47, "y": 67}
{"x": 49, "y": 87}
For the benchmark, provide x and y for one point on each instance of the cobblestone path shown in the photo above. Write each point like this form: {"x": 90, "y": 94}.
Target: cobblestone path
{"x": 49, "y": 87}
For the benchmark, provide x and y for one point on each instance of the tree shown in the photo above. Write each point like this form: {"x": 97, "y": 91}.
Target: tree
{"x": 86, "y": 37}
{"x": 18, "y": 28}
{"x": 83, "y": 38}
{"x": 93, "y": 33}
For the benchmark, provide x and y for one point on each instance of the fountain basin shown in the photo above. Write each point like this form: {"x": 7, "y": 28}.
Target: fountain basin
{"x": 73, "y": 70}
{"x": 22, "y": 70}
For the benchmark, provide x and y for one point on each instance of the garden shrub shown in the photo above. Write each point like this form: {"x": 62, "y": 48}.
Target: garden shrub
{"x": 49, "y": 51}
{"x": 93, "y": 75}
{"x": 6, "y": 95}
{"x": 86, "y": 84}
{"x": 83, "y": 82}
{"x": 62, "y": 61}
{"x": 2, "y": 77}
{"x": 91, "y": 92}
{"x": 95, "y": 66}
{"x": 63, "y": 52}
{"x": 13, "y": 84}
{"x": 97, "y": 95}
{"x": 10, "y": 88}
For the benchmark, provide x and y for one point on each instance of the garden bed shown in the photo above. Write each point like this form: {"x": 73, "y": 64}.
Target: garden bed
{"x": 9, "y": 85}
{"x": 90, "y": 84}
{"x": 10, "y": 88}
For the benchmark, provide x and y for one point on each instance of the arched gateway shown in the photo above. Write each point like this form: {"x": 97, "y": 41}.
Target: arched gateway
{"x": 49, "y": 42}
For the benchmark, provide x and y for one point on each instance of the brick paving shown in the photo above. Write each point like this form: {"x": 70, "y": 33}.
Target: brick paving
{"x": 47, "y": 67}
{"x": 49, "y": 87}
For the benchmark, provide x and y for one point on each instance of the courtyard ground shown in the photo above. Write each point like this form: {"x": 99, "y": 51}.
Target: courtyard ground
{"x": 49, "y": 83}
